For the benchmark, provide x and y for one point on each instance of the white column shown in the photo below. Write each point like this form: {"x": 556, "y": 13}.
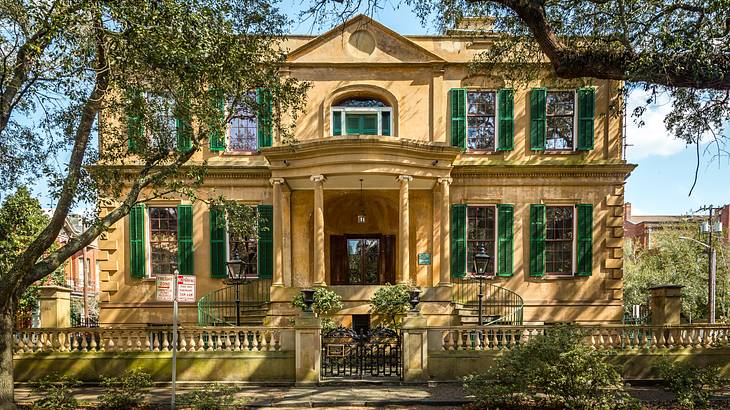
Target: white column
{"x": 445, "y": 277}
{"x": 319, "y": 273}
{"x": 404, "y": 230}
{"x": 277, "y": 234}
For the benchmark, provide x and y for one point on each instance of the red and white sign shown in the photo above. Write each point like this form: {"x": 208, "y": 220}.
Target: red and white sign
{"x": 185, "y": 288}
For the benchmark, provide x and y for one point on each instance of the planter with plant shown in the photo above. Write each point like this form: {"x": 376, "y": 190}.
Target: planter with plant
{"x": 390, "y": 303}
{"x": 326, "y": 304}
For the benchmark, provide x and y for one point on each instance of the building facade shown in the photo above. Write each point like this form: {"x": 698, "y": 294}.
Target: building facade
{"x": 405, "y": 165}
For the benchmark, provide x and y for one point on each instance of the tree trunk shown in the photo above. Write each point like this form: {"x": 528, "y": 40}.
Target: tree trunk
{"x": 6, "y": 360}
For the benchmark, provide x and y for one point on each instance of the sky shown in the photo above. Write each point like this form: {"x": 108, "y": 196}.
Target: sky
{"x": 661, "y": 182}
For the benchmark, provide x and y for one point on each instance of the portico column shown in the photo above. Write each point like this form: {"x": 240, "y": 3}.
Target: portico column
{"x": 319, "y": 273}
{"x": 277, "y": 234}
{"x": 404, "y": 230}
{"x": 445, "y": 277}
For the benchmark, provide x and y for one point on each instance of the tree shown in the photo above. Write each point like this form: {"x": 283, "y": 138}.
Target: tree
{"x": 665, "y": 47}
{"x": 132, "y": 65}
{"x": 671, "y": 260}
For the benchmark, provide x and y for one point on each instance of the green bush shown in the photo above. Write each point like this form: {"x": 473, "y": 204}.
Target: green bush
{"x": 210, "y": 397}
{"x": 56, "y": 393}
{"x": 557, "y": 370}
{"x": 126, "y": 391}
{"x": 692, "y": 385}
{"x": 389, "y": 302}
{"x": 326, "y": 304}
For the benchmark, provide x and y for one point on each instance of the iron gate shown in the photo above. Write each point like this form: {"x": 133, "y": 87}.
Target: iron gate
{"x": 377, "y": 353}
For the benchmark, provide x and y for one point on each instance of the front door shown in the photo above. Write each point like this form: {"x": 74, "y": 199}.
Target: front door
{"x": 362, "y": 259}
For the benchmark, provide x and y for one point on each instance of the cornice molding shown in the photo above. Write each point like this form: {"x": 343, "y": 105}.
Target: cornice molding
{"x": 621, "y": 171}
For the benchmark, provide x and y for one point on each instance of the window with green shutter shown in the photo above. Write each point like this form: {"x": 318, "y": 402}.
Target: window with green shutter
{"x": 265, "y": 122}
{"x": 537, "y": 119}
{"x": 505, "y": 221}
{"x": 266, "y": 241}
{"x": 336, "y": 122}
{"x": 218, "y": 253}
{"x": 458, "y": 241}
{"x": 185, "y": 239}
{"x": 361, "y": 116}
{"x": 135, "y": 126}
{"x": 183, "y": 132}
{"x": 217, "y": 136}
{"x": 505, "y": 100}
{"x": 137, "y": 260}
{"x": 457, "y": 97}
{"x": 537, "y": 240}
{"x": 586, "y": 114}
{"x": 585, "y": 240}
{"x": 361, "y": 124}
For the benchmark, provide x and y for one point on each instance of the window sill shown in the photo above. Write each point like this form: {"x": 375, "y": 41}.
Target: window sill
{"x": 549, "y": 276}
{"x": 560, "y": 152}
{"x": 239, "y": 153}
{"x": 482, "y": 152}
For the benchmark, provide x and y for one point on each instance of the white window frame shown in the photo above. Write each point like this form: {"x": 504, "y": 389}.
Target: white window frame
{"x": 360, "y": 110}
{"x": 575, "y": 121}
{"x": 496, "y": 234}
{"x": 226, "y": 112}
{"x": 496, "y": 118}
{"x": 574, "y": 242}
{"x": 148, "y": 96}
{"x": 228, "y": 244}
{"x": 148, "y": 237}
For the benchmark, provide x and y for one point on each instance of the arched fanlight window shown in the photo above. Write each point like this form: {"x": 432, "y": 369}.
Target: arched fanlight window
{"x": 362, "y": 116}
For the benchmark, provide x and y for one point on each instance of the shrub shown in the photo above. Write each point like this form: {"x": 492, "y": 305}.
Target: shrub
{"x": 326, "y": 304}
{"x": 56, "y": 393}
{"x": 556, "y": 370}
{"x": 210, "y": 397}
{"x": 389, "y": 302}
{"x": 692, "y": 385}
{"x": 126, "y": 391}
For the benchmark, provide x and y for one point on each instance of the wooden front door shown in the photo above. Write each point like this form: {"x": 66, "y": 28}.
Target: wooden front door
{"x": 362, "y": 259}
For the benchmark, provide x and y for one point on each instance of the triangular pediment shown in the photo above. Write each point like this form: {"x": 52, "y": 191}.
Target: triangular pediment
{"x": 361, "y": 40}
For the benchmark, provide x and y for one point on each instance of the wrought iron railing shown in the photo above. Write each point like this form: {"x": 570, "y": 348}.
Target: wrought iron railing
{"x": 218, "y": 308}
{"x": 500, "y": 306}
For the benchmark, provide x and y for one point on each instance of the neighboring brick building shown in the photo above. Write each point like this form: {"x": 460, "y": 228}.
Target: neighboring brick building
{"x": 640, "y": 228}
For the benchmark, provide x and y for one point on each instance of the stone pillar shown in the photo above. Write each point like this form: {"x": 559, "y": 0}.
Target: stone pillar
{"x": 319, "y": 273}
{"x": 415, "y": 348}
{"x": 445, "y": 274}
{"x": 308, "y": 348}
{"x": 404, "y": 231}
{"x": 666, "y": 303}
{"x": 286, "y": 234}
{"x": 277, "y": 234}
{"x": 55, "y": 304}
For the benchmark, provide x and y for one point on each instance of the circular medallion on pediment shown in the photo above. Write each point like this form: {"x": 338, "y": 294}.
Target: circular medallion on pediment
{"x": 361, "y": 44}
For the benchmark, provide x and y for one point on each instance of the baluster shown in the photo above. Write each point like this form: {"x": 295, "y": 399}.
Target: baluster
{"x": 48, "y": 343}
{"x": 165, "y": 341}
{"x": 201, "y": 342}
{"x": 256, "y": 346}
{"x": 183, "y": 342}
{"x": 92, "y": 341}
{"x": 191, "y": 341}
{"x": 276, "y": 335}
{"x": 19, "y": 344}
{"x": 246, "y": 344}
{"x": 155, "y": 341}
{"x": 478, "y": 339}
{"x": 213, "y": 341}
{"x": 110, "y": 345}
{"x": 450, "y": 340}
{"x": 670, "y": 339}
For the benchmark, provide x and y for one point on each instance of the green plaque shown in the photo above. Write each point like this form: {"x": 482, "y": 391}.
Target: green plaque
{"x": 424, "y": 258}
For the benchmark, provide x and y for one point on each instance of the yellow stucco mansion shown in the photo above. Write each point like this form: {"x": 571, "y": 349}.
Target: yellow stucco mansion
{"x": 405, "y": 164}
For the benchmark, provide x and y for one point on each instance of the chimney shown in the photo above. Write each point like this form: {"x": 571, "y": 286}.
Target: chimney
{"x": 725, "y": 222}
{"x": 627, "y": 211}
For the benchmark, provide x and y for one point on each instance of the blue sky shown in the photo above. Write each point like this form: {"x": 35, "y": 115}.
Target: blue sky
{"x": 660, "y": 184}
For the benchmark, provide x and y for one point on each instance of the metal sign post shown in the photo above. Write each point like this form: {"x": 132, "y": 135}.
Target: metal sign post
{"x": 174, "y": 339}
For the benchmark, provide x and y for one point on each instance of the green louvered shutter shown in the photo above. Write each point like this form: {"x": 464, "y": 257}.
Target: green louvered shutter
{"x": 537, "y": 119}
{"x": 505, "y": 220}
{"x": 506, "y": 122}
{"x": 458, "y": 117}
{"x": 458, "y": 241}
{"x": 585, "y": 239}
{"x": 537, "y": 240}
{"x": 586, "y": 116}
{"x": 265, "y": 124}
{"x": 185, "y": 239}
{"x": 385, "y": 123}
{"x": 137, "y": 261}
{"x": 266, "y": 241}
{"x": 336, "y": 122}
{"x": 183, "y": 131}
{"x": 218, "y": 257}
{"x": 135, "y": 127}
{"x": 217, "y": 137}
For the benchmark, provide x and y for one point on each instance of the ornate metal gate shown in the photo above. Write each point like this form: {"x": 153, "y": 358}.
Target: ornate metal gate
{"x": 377, "y": 353}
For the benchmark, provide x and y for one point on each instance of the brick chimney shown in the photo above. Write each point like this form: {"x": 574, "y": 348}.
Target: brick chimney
{"x": 725, "y": 222}
{"x": 627, "y": 211}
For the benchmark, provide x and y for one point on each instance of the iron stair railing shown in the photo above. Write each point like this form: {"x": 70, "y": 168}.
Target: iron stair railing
{"x": 500, "y": 306}
{"x": 218, "y": 308}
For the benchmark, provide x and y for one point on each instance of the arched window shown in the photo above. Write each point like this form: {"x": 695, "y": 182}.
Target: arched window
{"x": 362, "y": 116}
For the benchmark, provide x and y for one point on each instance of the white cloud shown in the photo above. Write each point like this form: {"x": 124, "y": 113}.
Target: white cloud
{"x": 651, "y": 139}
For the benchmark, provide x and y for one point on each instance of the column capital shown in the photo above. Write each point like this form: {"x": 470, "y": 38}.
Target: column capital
{"x": 445, "y": 180}
{"x": 274, "y": 181}
{"x": 317, "y": 178}
{"x": 404, "y": 178}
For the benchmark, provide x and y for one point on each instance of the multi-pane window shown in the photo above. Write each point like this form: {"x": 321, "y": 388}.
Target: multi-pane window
{"x": 559, "y": 113}
{"x": 163, "y": 240}
{"x": 243, "y": 129}
{"x": 361, "y": 116}
{"x": 559, "y": 240}
{"x": 481, "y": 112}
{"x": 363, "y": 258}
{"x": 245, "y": 250}
{"x": 162, "y": 126}
{"x": 481, "y": 233}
